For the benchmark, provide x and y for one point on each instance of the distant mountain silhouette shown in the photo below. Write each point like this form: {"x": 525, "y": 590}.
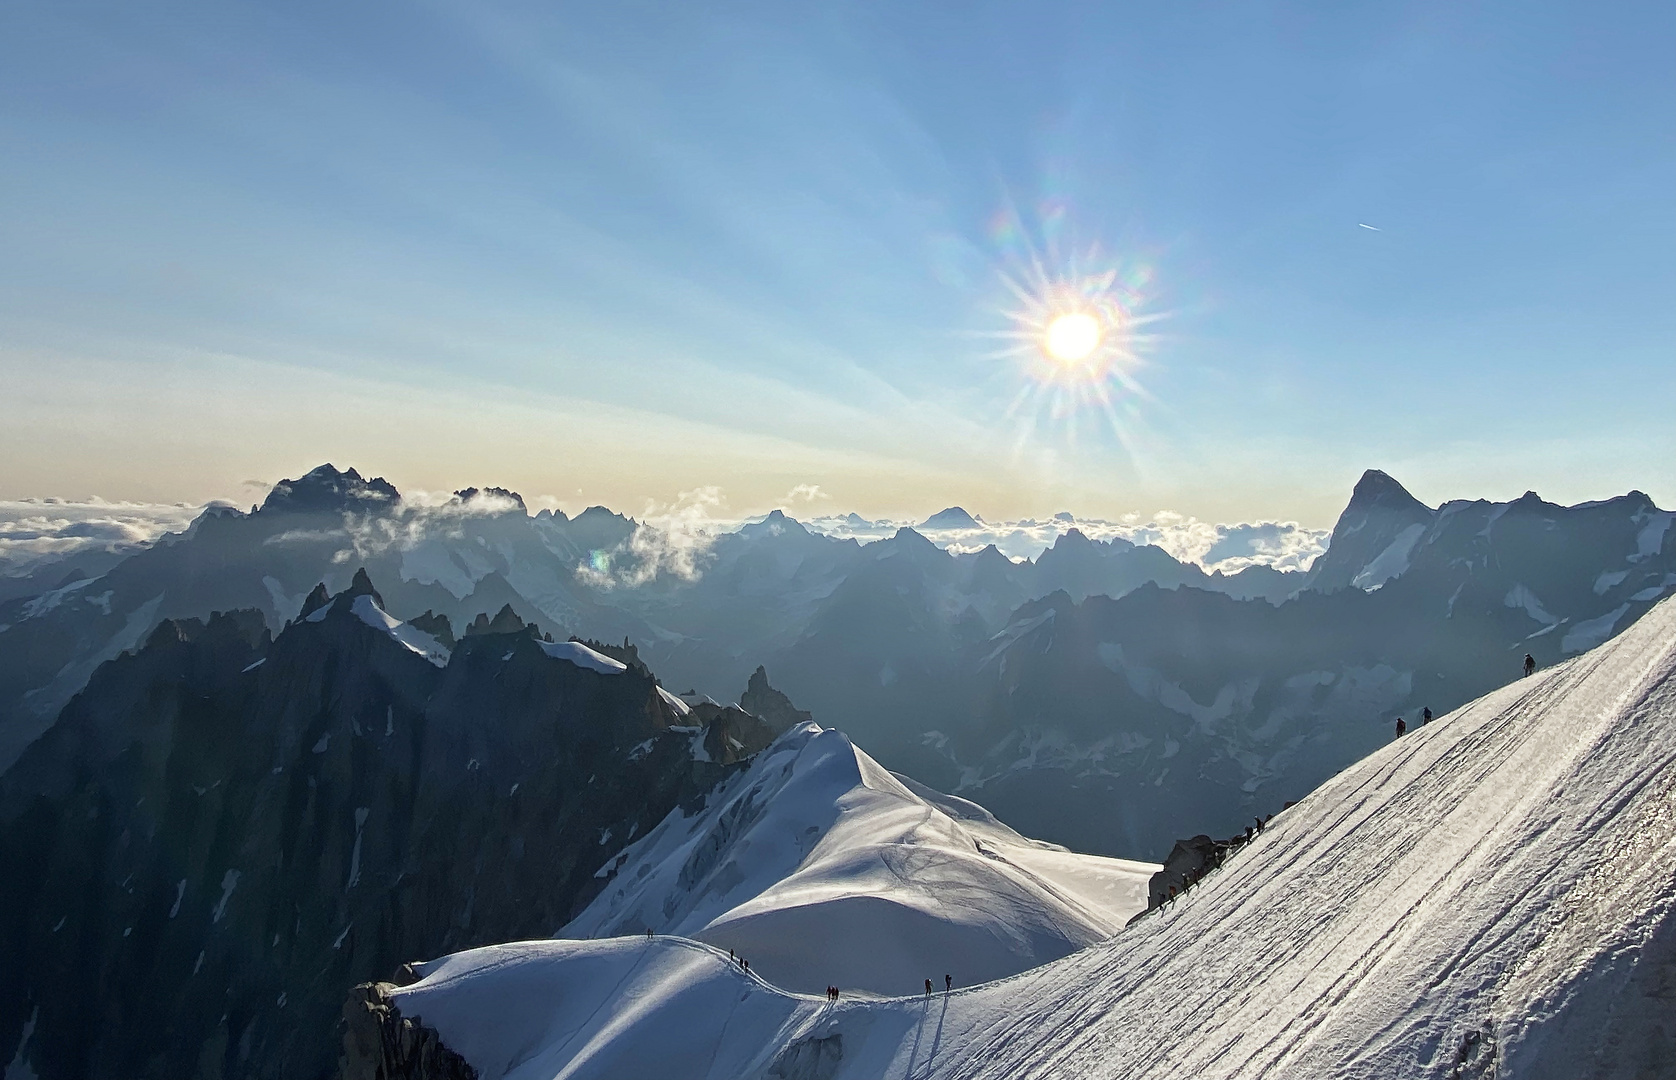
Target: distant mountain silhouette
{"x": 952, "y": 518}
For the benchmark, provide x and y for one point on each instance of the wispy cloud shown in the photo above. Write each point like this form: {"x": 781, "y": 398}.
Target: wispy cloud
{"x": 805, "y": 493}
{"x": 672, "y": 539}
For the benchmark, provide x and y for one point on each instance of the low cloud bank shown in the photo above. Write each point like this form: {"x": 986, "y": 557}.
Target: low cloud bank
{"x": 672, "y": 540}
{"x": 1230, "y": 548}
{"x": 35, "y": 532}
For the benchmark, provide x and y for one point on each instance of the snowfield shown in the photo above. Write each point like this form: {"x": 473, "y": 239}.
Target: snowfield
{"x": 1490, "y": 895}
{"x": 822, "y": 868}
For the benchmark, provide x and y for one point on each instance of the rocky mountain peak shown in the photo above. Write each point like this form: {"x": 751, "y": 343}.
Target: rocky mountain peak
{"x": 435, "y": 625}
{"x": 466, "y": 495}
{"x": 953, "y": 517}
{"x": 326, "y": 490}
{"x": 907, "y": 538}
{"x": 361, "y": 585}
{"x": 316, "y": 599}
{"x": 1380, "y": 489}
{"x": 777, "y": 523}
{"x": 1072, "y": 540}
{"x": 506, "y": 621}
{"x": 770, "y": 704}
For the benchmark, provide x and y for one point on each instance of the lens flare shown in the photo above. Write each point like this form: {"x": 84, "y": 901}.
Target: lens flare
{"x": 1078, "y": 327}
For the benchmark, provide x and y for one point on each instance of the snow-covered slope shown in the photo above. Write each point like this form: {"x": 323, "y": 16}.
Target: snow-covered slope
{"x": 822, "y": 868}
{"x": 1490, "y": 895}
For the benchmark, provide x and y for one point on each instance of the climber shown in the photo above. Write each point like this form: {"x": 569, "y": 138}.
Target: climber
{"x": 1401, "y": 727}
{"x": 948, "y": 983}
{"x": 1426, "y": 715}
{"x": 928, "y": 988}
{"x": 1530, "y": 663}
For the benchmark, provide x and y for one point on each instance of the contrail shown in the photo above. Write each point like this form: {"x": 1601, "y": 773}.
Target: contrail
{"x": 1369, "y": 227}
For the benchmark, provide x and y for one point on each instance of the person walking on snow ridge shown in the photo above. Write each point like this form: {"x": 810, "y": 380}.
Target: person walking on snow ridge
{"x": 1425, "y": 715}
{"x": 1530, "y": 663}
{"x": 928, "y": 988}
{"x": 948, "y": 983}
{"x": 1401, "y": 727}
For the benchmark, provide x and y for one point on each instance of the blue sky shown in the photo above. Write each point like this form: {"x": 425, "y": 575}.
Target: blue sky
{"x": 609, "y": 253}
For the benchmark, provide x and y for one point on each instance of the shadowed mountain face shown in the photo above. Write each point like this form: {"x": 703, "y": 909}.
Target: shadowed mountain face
{"x": 1373, "y": 537}
{"x": 947, "y": 666}
{"x": 226, "y": 829}
{"x": 1116, "y": 724}
{"x": 755, "y": 590}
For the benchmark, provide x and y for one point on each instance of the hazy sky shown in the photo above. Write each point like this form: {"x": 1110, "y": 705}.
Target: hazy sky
{"x": 611, "y": 252}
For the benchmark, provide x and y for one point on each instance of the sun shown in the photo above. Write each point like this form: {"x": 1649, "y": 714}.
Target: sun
{"x": 1077, "y": 332}
{"x": 1073, "y": 337}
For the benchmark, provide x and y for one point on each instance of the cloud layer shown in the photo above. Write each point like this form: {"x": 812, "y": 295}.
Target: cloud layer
{"x": 673, "y": 539}
{"x": 1230, "y": 548}
{"x": 38, "y": 531}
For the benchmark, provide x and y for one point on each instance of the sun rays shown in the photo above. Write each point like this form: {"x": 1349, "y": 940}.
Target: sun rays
{"x": 1076, "y": 335}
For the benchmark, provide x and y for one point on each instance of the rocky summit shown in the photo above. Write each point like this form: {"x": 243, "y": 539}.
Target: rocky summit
{"x": 228, "y": 828}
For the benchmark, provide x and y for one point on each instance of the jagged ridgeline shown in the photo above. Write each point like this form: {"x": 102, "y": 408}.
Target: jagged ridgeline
{"x": 228, "y": 828}
{"x": 1103, "y": 695}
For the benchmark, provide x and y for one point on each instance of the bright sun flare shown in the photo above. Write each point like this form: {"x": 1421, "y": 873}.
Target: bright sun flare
{"x": 1077, "y": 329}
{"x": 1072, "y": 337}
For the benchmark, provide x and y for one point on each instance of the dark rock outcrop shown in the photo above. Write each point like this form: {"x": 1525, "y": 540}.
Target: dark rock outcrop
{"x": 435, "y": 625}
{"x": 773, "y": 706}
{"x": 224, "y": 832}
{"x": 1186, "y": 861}
{"x": 379, "y": 1043}
{"x": 326, "y": 490}
{"x": 469, "y": 494}
{"x": 506, "y": 621}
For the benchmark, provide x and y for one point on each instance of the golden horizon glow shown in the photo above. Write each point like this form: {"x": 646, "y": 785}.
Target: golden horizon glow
{"x": 1073, "y": 337}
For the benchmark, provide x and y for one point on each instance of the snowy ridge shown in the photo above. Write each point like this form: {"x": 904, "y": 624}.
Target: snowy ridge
{"x": 415, "y": 639}
{"x": 579, "y": 654}
{"x": 822, "y": 867}
{"x": 1488, "y": 896}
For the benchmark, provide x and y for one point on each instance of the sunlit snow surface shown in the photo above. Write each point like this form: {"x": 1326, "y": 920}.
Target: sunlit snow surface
{"x": 413, "y": 638}
{"x": 582, "y": 656}
{"x": 823, "y": 868}
{"x": 1490, "y": 893}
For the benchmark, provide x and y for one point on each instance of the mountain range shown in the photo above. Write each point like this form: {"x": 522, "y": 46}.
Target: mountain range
{"x": 1103, "y": 695}
{"x": 242, "y": 778}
